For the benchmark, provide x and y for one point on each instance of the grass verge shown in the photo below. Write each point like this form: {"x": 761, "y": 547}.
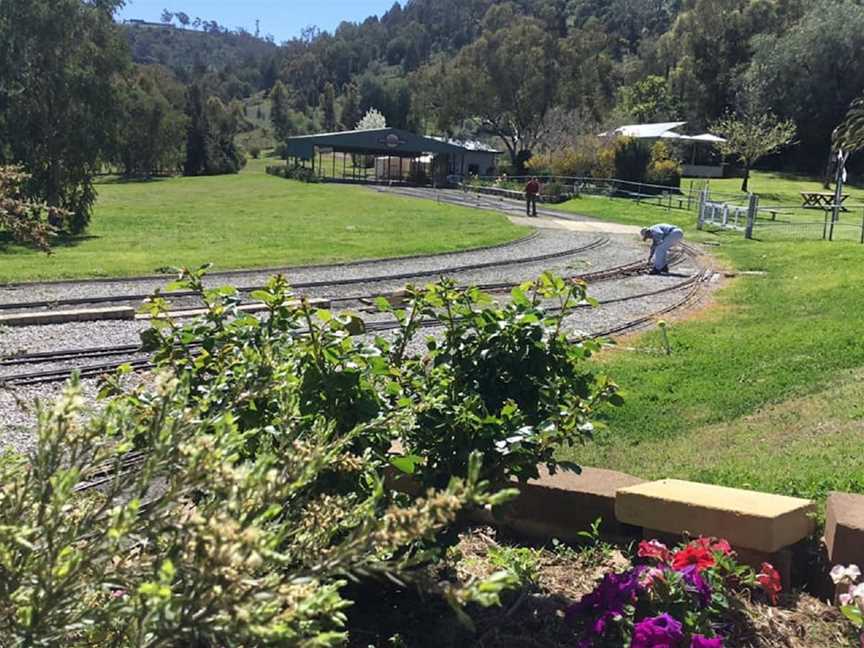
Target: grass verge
{"x": 251, "y": 220}
{"x": 763, "y": 391}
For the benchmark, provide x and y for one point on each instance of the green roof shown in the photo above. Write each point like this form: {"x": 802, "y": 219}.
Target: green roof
{"x": 386, "y": 141}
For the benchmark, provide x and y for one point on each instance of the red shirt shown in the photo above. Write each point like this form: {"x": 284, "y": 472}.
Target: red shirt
{"x": 532, "y": 188}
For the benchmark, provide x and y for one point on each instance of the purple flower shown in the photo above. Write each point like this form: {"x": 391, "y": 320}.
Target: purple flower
{"x": 657, "y": 632}
{"x": 607, "y": 601}
{"x": 701, "y": 641}
{"x": 694, "y": 583}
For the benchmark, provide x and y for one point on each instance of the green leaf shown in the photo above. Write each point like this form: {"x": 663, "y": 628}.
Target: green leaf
{"x": 407, "y": 463}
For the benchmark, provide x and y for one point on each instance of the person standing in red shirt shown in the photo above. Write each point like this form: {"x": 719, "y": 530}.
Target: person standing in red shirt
{"x": 532, "y": 189}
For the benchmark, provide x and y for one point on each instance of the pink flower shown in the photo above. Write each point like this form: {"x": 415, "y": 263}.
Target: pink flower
{"x": 654, "y": 549}
{"x": 714, "y": 545}
{"x": 769, "y": 579}
{"x": 651, "y": 576}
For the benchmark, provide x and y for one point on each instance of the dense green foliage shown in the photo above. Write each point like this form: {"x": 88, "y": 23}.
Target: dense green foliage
{"x": 151, "y": 135}
{"x": 210, "y": 132}
{"x": 58, "y": 103}
{"x": 197, "y": 545}
{"x": 501, "y": 380}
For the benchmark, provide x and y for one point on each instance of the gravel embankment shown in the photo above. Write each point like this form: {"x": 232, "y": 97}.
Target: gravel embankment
{"x": 547, "y": 241}
{"x": 16, "y": 420}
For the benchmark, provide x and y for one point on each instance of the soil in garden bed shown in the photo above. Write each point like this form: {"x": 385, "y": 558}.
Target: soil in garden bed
{"x": 386, "y": 615}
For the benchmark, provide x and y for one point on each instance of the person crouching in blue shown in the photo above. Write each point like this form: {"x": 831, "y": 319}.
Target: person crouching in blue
{"x": 663, "y": 237}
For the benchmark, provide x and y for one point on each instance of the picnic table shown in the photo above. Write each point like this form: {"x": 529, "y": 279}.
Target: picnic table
{"x": 821, "y": 200}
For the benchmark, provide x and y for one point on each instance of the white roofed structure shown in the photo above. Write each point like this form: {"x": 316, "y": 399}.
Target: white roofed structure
{"x": 668, "y": 131}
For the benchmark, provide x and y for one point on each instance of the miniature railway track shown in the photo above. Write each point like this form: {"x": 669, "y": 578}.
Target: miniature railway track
{"x": 131, "y": 354}
{"x": 129, "y": 463}
{"x": 136, "y": 298}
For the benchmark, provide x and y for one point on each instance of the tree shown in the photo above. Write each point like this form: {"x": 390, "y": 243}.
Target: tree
{"x": 151, "y": 135}
{"x": 811, "y": 73}
{"x": 329, "y": 106}
{"x": 167, "y": 16}
{"x": 849, "y": 135}
{"x": 25, "y": 220}
{"x": 350, "y": 113}
{"x": 372, "y": 120}
{"x": 280, "y": 112}
{"x": 752, "y": 137}
{"x": 58, "y": 102}
{"x": 183, "y": 18}
{"x": 210, "y": 147}
{"x": 510, "y": 101}
{"x": 648, "y": 100}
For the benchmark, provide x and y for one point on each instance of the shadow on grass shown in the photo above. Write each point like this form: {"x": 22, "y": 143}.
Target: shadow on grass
{"x": 123, "y": 180}
{"x": 7, "y": 243}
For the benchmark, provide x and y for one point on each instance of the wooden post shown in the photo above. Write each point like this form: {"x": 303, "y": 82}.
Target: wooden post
{"x": 700, "y": 216}
{"x": 862, "y": 227}
{"x": 752, "y": 211}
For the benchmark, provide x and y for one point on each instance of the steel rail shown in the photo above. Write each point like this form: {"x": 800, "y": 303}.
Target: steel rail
{"x": 402, "y": 276}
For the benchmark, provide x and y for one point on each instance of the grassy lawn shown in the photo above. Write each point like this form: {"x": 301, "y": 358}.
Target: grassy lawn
{"x": 251, "y": 220}
{"x": 762, "y": 391}
{"x": 778, "y": 187}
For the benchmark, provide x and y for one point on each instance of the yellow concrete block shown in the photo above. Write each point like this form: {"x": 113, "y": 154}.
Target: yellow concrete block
{"x": 759, "y": 521}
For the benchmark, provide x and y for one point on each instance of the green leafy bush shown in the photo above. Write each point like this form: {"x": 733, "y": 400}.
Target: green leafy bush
{"x": 503, "y": 380}
{"x": 552, "y": 190}
{"x": 303, "y": 174}
{"x": 631, "y": 159}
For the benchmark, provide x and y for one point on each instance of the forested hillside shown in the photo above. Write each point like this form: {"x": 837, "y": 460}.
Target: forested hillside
{"x": 507, "y": 70}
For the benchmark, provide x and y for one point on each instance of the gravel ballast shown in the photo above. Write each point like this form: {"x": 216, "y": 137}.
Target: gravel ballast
{"x": 514, "y": 263}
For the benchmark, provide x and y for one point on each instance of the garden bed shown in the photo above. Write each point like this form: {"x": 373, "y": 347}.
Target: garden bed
{"x": 535, "y": 615}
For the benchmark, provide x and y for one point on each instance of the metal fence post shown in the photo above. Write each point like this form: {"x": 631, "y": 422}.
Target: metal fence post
{"x": 752, "y": 210}
{"x": 700, "y": 218}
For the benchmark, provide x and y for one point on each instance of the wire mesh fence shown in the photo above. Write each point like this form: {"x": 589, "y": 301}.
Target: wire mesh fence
{"x": 778, "y": 221}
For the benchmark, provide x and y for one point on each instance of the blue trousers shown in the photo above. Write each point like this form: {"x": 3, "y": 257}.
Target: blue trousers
{"x": 662, "y": 250}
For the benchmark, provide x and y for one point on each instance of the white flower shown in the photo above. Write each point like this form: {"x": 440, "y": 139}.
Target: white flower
{"x": 841, "y": 574}
{"x": 845, "y": 599}
{"x": 857, "y": 592}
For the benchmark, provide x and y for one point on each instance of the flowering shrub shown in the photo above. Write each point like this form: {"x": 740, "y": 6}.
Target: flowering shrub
{"x": 200, "y": 546}
{"x": 673, "y": 599}
{"x": 26, "y": 221}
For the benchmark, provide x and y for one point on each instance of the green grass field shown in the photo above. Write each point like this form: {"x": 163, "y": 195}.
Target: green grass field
{"x": 251, "y": 220}
{"x": 763, "y": 390}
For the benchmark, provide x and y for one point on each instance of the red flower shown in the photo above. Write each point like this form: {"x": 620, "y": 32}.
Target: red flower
{"x": 693, "y": 554}
{"x": 769, "y": 579}
{"x": 654, "y": 549}
{"x": 714, "y": 545}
